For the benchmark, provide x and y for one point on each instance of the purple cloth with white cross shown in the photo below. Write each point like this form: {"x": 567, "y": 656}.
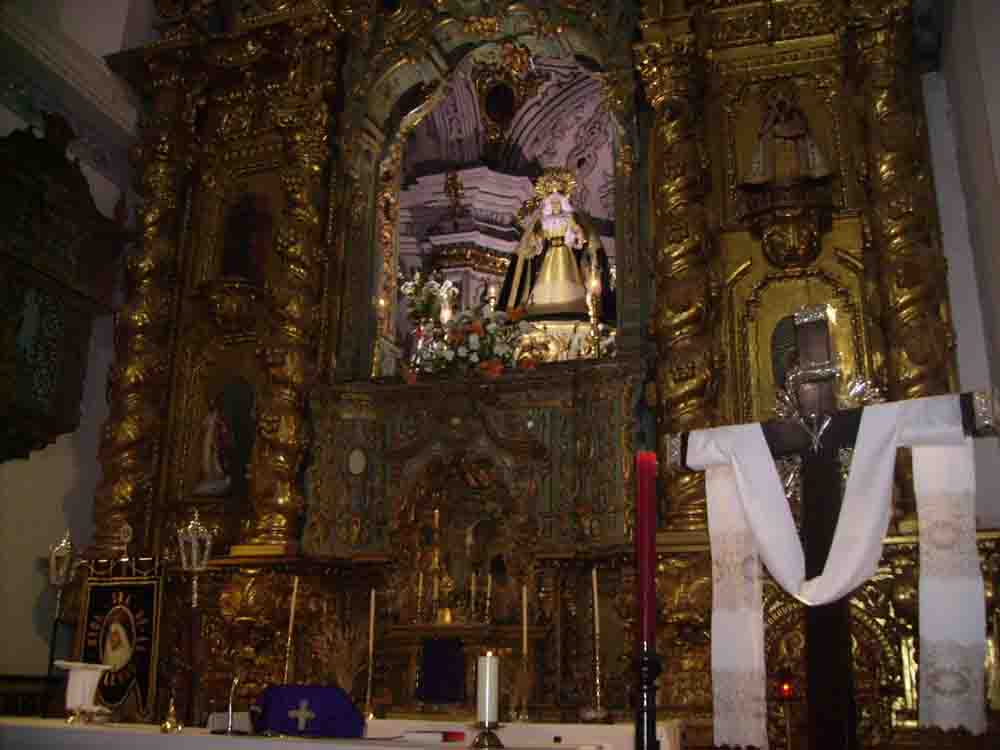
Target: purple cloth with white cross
{"x": 308, "y": 711}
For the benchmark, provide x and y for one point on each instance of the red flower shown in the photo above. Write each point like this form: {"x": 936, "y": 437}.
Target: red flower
{"x": 456, "y": 337}
{"x": 491, "y": 368}
{"x": 410, "y": 376}
{"x": 475, "y": 327}
{"x": 527, "y": 363}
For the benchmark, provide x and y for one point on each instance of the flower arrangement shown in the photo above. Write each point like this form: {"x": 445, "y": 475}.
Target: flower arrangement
{"x": 480, "y": 340}
{"x": 426, "y": 295}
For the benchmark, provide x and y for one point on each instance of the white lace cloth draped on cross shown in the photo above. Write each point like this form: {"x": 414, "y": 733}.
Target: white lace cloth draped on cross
{"x": 739, "y": 680}
{"x": 749, "y": 515}
{"x": 952, "y": 608}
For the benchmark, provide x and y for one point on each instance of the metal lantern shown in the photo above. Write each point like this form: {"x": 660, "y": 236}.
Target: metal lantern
{"x": 60, "y": 573}
{"x": 61, "y": 562}
{"x": 195, "y": 543}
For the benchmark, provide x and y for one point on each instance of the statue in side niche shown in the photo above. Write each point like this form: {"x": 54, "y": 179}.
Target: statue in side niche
{"x": 786, "y": 153}
{"x": 216, "y": 440}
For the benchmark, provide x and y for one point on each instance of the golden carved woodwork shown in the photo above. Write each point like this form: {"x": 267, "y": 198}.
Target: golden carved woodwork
{"x": 912, "y": 276}
{"x": 131, "y": 439}
{"x": 249, "y": 112}
{"x": 288, "y": 357}
{"x": 684, "y": 319}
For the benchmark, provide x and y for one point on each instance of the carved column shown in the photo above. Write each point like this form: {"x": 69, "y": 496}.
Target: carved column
{"x": 912, "y": 273}
{"x": 683, "y": 316}
{"x": 289, "y": 354}
{"x": 138, "y": 383}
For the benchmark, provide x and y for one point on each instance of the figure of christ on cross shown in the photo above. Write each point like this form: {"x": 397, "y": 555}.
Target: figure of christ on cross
{"x": 302, "y": 715}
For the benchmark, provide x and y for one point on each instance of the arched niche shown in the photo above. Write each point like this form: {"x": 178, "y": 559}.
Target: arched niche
{"x": 247, "y": 238}
{"x": 402, "y": 88}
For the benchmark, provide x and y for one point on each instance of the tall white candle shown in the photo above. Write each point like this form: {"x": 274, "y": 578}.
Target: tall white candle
{"x": 291, "y": 628}
{"x": 371, "y": 627}
{"x": 371, "y": 651}
{"x": 488, "y": 689}
{"x": 597, "y": 608}
{"x": 524, "y": 620}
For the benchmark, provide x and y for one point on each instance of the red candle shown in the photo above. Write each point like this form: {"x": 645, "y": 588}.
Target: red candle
{"x": 645, "y": 547}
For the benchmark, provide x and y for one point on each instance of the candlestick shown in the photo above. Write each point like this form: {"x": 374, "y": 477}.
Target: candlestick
{"x": 489, "y": 594}
{"x": 371, "y": 654}
{"x": 371, "y": 624}
{"x": 420, "y": 593}
{"x": 487, "y": 689}
{"x": 291, "y": 627}
{"x": 597, "y": 606}
{"x": 645, "y": 547}
{"x": 524, "y": 623}
{"x": 597, "y": 712}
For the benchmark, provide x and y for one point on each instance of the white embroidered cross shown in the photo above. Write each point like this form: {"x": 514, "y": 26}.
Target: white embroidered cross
{"x": 302, "y": 714}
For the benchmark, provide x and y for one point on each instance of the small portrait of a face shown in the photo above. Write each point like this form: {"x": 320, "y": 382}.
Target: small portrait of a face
{"x": 117, "y": 640}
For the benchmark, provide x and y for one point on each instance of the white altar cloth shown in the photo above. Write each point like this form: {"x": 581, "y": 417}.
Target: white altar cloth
{"x": 541, "y": 735}
{"x": 43, "y": 734}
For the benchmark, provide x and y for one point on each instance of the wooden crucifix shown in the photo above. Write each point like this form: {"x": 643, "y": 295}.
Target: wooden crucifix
{"x": 818, "y": 434}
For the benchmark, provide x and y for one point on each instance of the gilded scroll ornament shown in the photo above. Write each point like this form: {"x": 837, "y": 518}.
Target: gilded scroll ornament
{"x": 683, "y": 321}
{"x": 503, "y": 83}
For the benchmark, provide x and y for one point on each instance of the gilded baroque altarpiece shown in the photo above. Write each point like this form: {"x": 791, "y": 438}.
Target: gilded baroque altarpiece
{"x": 769, "y": 159}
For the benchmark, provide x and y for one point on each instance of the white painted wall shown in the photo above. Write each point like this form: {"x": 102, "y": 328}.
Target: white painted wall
{"x": 963, "y": 105}
{"x": 99, "y": 26}
{"x": 966, "y": 307}
{"x": 970, "y": 66}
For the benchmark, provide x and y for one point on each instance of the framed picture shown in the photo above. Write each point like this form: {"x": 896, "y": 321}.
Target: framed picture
{"x": 120, "y": 628}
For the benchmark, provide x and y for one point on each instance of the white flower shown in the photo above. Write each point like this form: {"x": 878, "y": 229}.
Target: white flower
{"x": 462, "y": 351}
{"x": 473, "y": 357}
{"x": 491, "y": 327}
{"x": 449, "y": 355}
{"x": 501, "y": 348}
{"x": 474, "y": 341}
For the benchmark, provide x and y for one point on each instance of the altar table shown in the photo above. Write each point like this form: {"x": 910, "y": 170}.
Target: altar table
{"x": 544, "y": 735}
{"x": 42, "y": 734}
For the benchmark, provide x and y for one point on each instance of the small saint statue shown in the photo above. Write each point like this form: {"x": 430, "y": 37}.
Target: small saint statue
{"x": 215, "y": 448}
{"x": 786, "y": 153}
